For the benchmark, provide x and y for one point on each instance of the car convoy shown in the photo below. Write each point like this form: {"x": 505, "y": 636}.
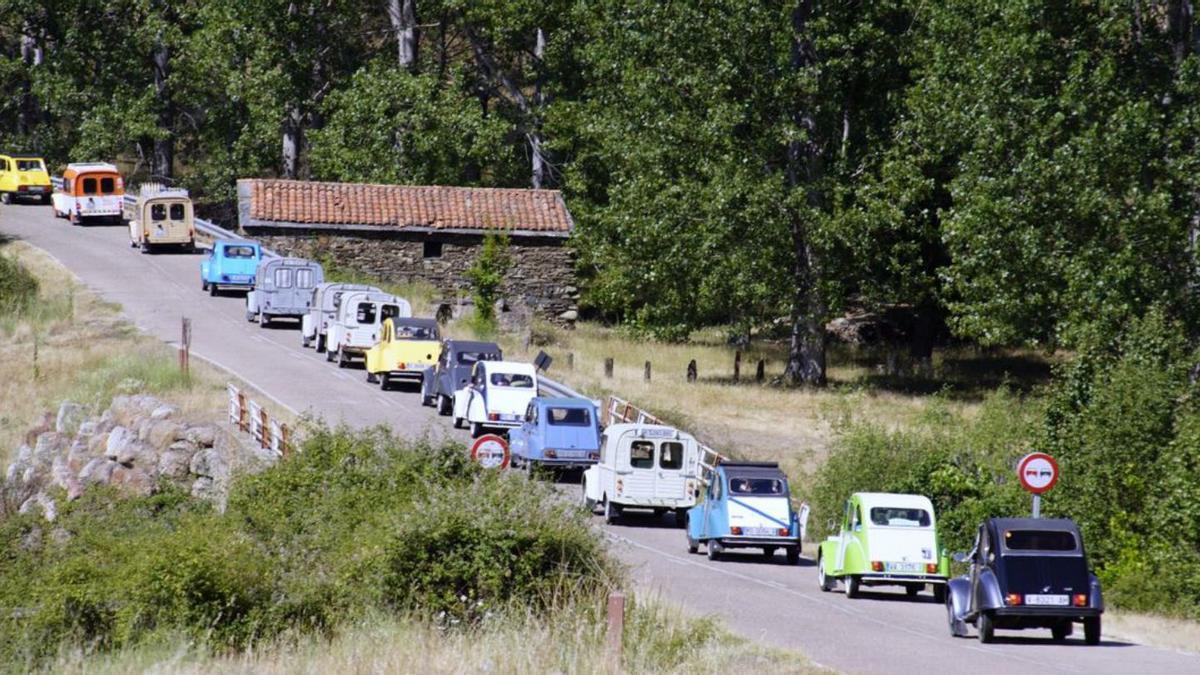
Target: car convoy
{"x": 1022, "y": 573}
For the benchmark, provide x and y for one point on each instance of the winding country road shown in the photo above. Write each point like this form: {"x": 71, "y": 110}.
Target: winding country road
{"x": 883, "y": 632}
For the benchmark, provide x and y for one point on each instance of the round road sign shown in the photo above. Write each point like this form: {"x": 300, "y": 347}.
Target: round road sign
{"x": 1038, "y": 472}
{"x": 491, "y": 451}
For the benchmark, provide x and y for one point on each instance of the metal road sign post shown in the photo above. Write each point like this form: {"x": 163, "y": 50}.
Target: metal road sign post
{"x": 1038, "y": 472}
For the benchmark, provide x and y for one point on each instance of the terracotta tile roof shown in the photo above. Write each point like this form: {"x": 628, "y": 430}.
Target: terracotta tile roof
{"x": 437, "y": 207}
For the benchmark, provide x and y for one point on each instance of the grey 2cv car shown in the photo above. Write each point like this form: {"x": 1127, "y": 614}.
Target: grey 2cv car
{"x": 283, "y": 288}
{"x": 1026, "y": 573}
{"x": 453, "y": 370}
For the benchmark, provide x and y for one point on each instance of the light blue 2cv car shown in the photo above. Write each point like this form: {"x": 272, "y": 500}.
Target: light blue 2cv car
{"x": 230, "y": 264}
{"x": 562, "y": 432}
{"x": 747, "y": 505}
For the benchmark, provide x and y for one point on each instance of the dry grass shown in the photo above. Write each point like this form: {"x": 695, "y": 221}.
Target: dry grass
{"x": 1156, "y": 631}
{"x": 570, "y": 642}
{"x": 86, "y": 352}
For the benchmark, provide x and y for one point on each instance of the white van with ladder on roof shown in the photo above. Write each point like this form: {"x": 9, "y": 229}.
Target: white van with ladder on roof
{"x": 644, "y": 466}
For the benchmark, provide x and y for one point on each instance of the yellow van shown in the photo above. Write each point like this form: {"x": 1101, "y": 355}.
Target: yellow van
{"x": 24, "y": 177}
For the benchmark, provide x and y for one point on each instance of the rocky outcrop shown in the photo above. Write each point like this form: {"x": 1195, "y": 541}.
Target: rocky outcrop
{"x": 138, "y": 445}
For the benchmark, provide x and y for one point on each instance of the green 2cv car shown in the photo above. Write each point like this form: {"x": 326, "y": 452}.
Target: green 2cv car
{"x": 885, "y": 540}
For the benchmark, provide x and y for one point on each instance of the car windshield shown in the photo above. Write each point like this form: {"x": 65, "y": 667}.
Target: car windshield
{"x": 409, "y": 332}
{"x": 1039, "y": 540}
{"x": 29, "y": 165}
{"x": 571, "y": 417}
{"x": 471, "y": 357}
{"x": 517, "y": 380}
{"x": 239, "y": 251}
{"x": 741, "y": 485}
{"x": 890, "y": 516}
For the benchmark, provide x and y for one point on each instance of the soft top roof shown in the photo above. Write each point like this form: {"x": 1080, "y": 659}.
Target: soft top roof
{"x": 473, "y": 346}
{"x": 565, "y": 402}
{"x": 517, "y": 367}
{"x": 1044, "y": 524}
{"x": 343, "y": 286}
{"x": 894, "y": 500}
{"x": 615, "y": 430}
{"x": 235, "y": 242}
{"x": 414, "y": 321}
{"x": 289, "y": 262}
{"x": 752, "y": 469}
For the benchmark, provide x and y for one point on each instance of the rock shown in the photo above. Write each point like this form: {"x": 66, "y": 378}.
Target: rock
{"x": 163, "y": 433}
{"x": 88, "y": 428}
{"x": 205, "y": 487}
{"x": 81, "y": 452}
{"x": 42, "y": 502}
{"x": 118, "y": 439}
{"x": 98, "y": 444}
{"x": 62, "y": 475}
{"x": 132, "y": 480}
{"x": 70, "y": 416}
{"x": 49, "y": 445}
{"x": 163, "y": 411}
{"x": 569, "y": 315}
{"x": 46, "y": 423}
{"x": 97, "y": 471}
{"x": 175, "y": 463}
{"x": 128, "y": 453}
{"x": 203, "y": 436}
{"x": 209, "y": 463}
{"x": 124, "y": 410}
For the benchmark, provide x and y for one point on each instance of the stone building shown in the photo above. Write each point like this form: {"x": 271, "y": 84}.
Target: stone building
{"x": 408, "y": 233}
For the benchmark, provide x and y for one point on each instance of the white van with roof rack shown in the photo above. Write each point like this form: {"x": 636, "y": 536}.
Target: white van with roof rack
{"x": 644, "y": 466}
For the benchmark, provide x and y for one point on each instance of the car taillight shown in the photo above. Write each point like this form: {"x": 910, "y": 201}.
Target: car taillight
{"x": 735, "y": 530}
{"x": 1080, "y": 600}
{"x": 552, "y": 454}
{"x": 493, "y": 416}
{"x": 620, "y": 486}
{"x": 783, "y": 532}
{"x": 931, "y": 568}
{"x": 22, "y": 188}
{"x": 876, "y": 566}
{"x": 1013, "y": 599}
{"x": 400, "y": 366}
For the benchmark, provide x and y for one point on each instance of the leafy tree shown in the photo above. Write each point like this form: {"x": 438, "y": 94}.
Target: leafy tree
{"x": 486, "y": 275}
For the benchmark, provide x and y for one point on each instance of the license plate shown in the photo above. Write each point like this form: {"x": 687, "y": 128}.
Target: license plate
{"x": 760, "y": 531}
{"x": 903, "y": 567}
{"x": 570, "y": 454}
{"x": 1056, "y": 600}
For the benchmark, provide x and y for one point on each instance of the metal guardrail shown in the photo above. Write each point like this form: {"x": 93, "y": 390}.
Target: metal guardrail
{"x": 251, "y": 418}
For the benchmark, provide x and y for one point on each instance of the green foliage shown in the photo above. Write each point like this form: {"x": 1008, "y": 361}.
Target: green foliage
{"x": 18, "y": 287}
{"x": 353, "y": 523}
{"x": 486, "y": 275}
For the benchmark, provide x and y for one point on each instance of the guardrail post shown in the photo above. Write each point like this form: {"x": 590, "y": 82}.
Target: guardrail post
{"x": 243, "y": 413}
{"x": 616, "y": 630}
{"x": 608, "y": 366}
{"x": 760, "y": 373}
{"x": 691, "y": 371}
{"x": 185, "y": 345}
{"x": 266, "y": 428}
{"x": 646, "y": 375}
{"x": 570, "y": 360}
{"x": 285, "y": 440}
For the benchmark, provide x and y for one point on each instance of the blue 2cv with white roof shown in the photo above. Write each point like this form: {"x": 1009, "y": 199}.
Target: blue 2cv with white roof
{"x": 747, "y": 505}
{"x": 562, "y": 432}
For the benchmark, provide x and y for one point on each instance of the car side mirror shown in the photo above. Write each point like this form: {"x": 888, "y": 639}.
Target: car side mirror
{"x": 959, "y": 557}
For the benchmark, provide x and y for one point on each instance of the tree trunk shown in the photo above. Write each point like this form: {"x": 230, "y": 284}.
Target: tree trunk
{"x": 403, "y": 15}
{"x": 27, "y": 112}
{"x": 290, "y": 152}
{"x": 806, "y": 348}
{"x": 163, "y": 162}
{"x": 538, "y": 170}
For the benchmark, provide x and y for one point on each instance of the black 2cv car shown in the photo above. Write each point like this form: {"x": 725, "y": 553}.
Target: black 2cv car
{"x": 1026, "y": 573}
{"x": 453, "y": 370}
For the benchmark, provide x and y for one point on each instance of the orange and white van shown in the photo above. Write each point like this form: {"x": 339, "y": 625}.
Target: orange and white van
{"x": 88, "y": 192}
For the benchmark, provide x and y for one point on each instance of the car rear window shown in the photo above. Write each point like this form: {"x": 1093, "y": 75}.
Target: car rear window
{"x": 177, "y": 212}
{"x": 641, "y": 455}
{"x": 389, "y": 312}
{"x": 471, "y": 357}
{"x": 406, "y": 332}
{"x": 890, "y": 516}
{"x": 89, "y": 186}
{"x": 512, "y": 380}
{"x": 29, "y": 165}
{"x": 365, "y": 312}
{"x": 107, "y": 185}
{"x": 1039, "y": 540}
{"x": 743, "y": 485}
{"x": 158, "y": 212}
{"x": 571, "y": 417}
{"x": 239, "y": 251}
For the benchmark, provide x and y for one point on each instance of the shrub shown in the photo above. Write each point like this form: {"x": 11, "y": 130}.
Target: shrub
{"x": 486, "y": 275}
{"x": 18, "y": 287}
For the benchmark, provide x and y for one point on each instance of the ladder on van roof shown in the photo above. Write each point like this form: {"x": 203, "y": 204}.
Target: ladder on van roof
{"x": 620, "y": 411}
{"x": 709, "y": 459}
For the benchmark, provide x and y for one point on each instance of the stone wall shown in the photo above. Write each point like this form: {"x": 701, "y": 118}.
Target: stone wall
{"x": 541, "y": 276}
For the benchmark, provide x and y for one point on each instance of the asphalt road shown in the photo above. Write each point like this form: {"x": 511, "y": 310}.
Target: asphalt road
{"x": 774, "y": 603}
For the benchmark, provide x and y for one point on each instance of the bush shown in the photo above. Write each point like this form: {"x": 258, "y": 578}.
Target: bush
{"x": 487, "y": 276}
{"x": 354, "y": 523}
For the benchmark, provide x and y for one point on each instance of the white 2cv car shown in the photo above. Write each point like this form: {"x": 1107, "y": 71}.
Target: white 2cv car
{"x": 644, "y": 466}
{"x": 497, "y": 397}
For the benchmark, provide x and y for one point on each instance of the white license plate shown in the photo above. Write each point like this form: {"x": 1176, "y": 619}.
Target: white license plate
{"x": 760, "y": 531}
{"x": 1055, "y": 600}
{"x": 570, "y": 454}
{"x": 904, "y": 567}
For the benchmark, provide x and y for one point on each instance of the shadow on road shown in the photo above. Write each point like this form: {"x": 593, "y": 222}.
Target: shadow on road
{"x": 1074, "y": 641}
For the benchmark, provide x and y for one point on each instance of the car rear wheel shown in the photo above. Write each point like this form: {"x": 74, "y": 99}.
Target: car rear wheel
{"x": 768, "y": 552}
{"x": 320, "y": 344}
{"x": 372, "y": 378}
{"x": 912, "y": 590}
{"x": 476, "y": 430}
{"x": 5, "y": 198}
{"x": 957, "y": 627}
{"x": 341, "y": 359}
{"x": 825, "y": 581}
{"x": 612, "y": 512}
{"x": 1061, "y": 631}
{"x": 987, "y": 632}
{"x": 444, "y": 406}
{"x": 203, "y": 285}
{"x": 458, "y": 422}
{"x": 793, "y": 555}
{"x": 588, "y": 503}
{"x": 212, "y": 290}
{"x": 851, "y": 583}
{"x": 939, "y": 592}
{"x": 1091, "y": 630}
{"x": 427, "y": 401}
{"x": 264, "y": 320}
{"x": 681, "y": 517}
{"x": 714, "y": 549}
{"x": 305, "y": 341}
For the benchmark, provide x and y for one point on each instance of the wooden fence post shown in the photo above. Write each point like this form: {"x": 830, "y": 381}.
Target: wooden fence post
{"x": 243, "y": 413}
{"x": 760, "y": 373}
{"x": 737, "y": 365}
{"x": 285, "y": 440}
{"x": 646, "y": 375}
{"x": 266, "y": 428}
{"x": 185, "y": 345}
{"x": 691, "y": 371}
{"x": 570, "y": 360}
{"x": 616, "y": 630}
{"x": 608, "y": 366}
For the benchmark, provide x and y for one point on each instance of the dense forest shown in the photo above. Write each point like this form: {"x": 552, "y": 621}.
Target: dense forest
{"x": 1009, "y": 172}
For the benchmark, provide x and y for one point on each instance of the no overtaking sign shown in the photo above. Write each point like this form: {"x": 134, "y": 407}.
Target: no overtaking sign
{"x": 1038, "y": 472}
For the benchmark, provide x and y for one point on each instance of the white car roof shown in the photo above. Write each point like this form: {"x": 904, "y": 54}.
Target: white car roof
{"x": 902, "y": 501}
{"x": 614, "y": 430}
{"x": 516, "y": 367}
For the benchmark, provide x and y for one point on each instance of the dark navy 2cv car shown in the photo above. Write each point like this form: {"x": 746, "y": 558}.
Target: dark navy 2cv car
{"x": 453, "y": 370}
{"x": 1026, "y": 573}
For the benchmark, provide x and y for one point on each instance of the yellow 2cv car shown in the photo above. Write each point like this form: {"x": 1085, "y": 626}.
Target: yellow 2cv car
{"x": 406, "y": 347}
